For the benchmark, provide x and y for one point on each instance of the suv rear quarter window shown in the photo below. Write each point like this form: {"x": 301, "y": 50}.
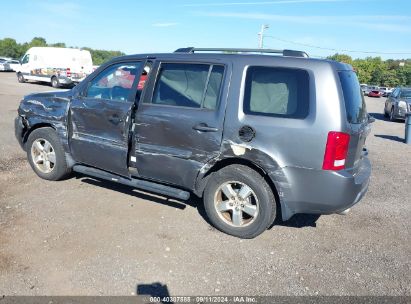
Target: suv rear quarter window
{"x": 278, "y": 92}
{"x": 353, "y": 98}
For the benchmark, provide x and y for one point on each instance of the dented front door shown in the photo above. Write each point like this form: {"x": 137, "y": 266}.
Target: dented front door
{"x": 101, "y": 118}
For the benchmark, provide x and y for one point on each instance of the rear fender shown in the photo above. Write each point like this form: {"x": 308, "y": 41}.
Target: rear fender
{"x": 234, "y": 153}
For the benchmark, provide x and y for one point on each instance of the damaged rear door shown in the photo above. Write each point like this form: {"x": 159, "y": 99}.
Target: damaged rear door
{"x": 179, "y": 124}
{"x": 101, "y": 116}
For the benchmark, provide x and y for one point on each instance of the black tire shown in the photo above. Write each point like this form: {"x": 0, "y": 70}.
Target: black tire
{"x": 60, "y": 168}
{"x": 392, "y": 118}
{"x": 20, "y": 78}
{"x": 261, "y": 190}
{"x": 55, "y": 83}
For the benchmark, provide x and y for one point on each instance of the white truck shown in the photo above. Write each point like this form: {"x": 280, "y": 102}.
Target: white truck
{"x": 58, "y": 66}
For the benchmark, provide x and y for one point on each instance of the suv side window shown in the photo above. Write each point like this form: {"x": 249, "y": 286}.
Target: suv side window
{"x": 188, "y": 85}
{"x": 278, "y": 92}
{"x": 114, "y": 83}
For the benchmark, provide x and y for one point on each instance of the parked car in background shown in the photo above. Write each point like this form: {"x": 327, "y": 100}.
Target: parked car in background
{"x": 13, "y": 65}
{"x": 4, "y": 65}
{"x": 370, "y": 88}
{"x": 374, "y": 93}
{"x": 385, "y": 91}
{"x": 398, "y": 103}
{"x": 247, "y": 133}
{"x": 58, "y": 66}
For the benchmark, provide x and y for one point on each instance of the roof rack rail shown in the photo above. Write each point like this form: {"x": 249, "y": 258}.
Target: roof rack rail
{"x": 290, "y": 53}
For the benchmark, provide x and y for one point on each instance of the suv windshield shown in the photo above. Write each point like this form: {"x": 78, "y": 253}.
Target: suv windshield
{"x": 353, "y": 98}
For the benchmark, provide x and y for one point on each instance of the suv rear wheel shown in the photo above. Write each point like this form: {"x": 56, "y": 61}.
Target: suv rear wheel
{"x": 46, "y": 154}
{"x": 238, "y": 201}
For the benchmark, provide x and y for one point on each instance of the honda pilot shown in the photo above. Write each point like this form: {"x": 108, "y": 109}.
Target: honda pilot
{"x": 254, "y": 133}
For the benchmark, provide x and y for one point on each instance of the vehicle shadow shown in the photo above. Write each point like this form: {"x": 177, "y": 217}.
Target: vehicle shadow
{"x": 300, "y": 220}
{"x": 379, "y": 116}
{"x": 155, "y": 290}
{"x": 47, "y": 84}
{"x": 390, "y": 137}
{"x": 296, "y": 221}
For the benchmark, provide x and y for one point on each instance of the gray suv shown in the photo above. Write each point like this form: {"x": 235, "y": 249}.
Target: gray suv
{"x": 255, "y": 136}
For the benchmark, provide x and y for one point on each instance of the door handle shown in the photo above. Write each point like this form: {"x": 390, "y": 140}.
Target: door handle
{"x": 203, "y": 127}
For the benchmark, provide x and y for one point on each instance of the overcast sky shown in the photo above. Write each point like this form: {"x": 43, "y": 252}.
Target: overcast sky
{"x": 320, "y": 27}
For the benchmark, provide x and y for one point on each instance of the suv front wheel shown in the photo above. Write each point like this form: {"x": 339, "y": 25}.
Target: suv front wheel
{"x": 238, "y": 201}
{"x": 20, "y": 78}
{"x": 46, "y": 154}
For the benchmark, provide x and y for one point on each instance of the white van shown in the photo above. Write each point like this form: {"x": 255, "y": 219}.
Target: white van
{"x": 58, "y": 66}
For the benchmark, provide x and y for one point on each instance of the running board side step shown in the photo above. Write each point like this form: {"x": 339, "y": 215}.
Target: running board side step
{"x": 133, "y": 182}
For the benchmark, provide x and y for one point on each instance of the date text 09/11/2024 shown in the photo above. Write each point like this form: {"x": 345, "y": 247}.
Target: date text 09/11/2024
{"x": 204, "y": 299}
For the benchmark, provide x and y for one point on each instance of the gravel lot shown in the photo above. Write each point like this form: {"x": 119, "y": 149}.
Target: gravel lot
{"x": 86, "y": 237}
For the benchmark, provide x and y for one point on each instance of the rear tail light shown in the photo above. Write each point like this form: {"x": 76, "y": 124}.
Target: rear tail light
{"x": 336, "y": 150}
{"x": 68, "y": 72}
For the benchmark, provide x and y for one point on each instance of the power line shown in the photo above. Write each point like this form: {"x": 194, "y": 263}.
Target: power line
{"x": 335, "y": 50}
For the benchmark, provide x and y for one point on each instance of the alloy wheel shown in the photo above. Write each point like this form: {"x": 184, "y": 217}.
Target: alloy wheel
{"x": 236, "y": 204}
{"x": 43, "y": 155}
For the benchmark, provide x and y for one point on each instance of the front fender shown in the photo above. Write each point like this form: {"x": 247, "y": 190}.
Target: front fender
{"x": 45, "y": 109}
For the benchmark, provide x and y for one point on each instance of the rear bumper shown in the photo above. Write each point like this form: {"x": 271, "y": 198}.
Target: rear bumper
{"x": 323, "y": 192}
{"x": 65, "y": 80}
{"x": 70, "y": 80}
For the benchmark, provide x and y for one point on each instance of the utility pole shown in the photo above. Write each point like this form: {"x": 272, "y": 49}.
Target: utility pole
{"x": 261, "y": 35}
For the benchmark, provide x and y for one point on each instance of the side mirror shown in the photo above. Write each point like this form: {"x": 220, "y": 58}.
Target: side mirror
{"x": 371, "y": 119}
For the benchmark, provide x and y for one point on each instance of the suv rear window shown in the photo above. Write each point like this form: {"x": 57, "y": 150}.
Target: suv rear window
{"x": 279, "y": 92}
{"x": 353, "y": 97}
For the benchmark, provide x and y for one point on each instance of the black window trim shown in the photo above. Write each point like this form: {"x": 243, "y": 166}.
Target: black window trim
{"x": 259, "y": 114}
{"x": 149, "y": 101}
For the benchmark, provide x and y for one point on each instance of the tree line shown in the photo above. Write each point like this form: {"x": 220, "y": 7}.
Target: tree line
{"x": 10, "y": 48}
{"x": 371, "y": 70}
{"x": 375, "y": 71}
